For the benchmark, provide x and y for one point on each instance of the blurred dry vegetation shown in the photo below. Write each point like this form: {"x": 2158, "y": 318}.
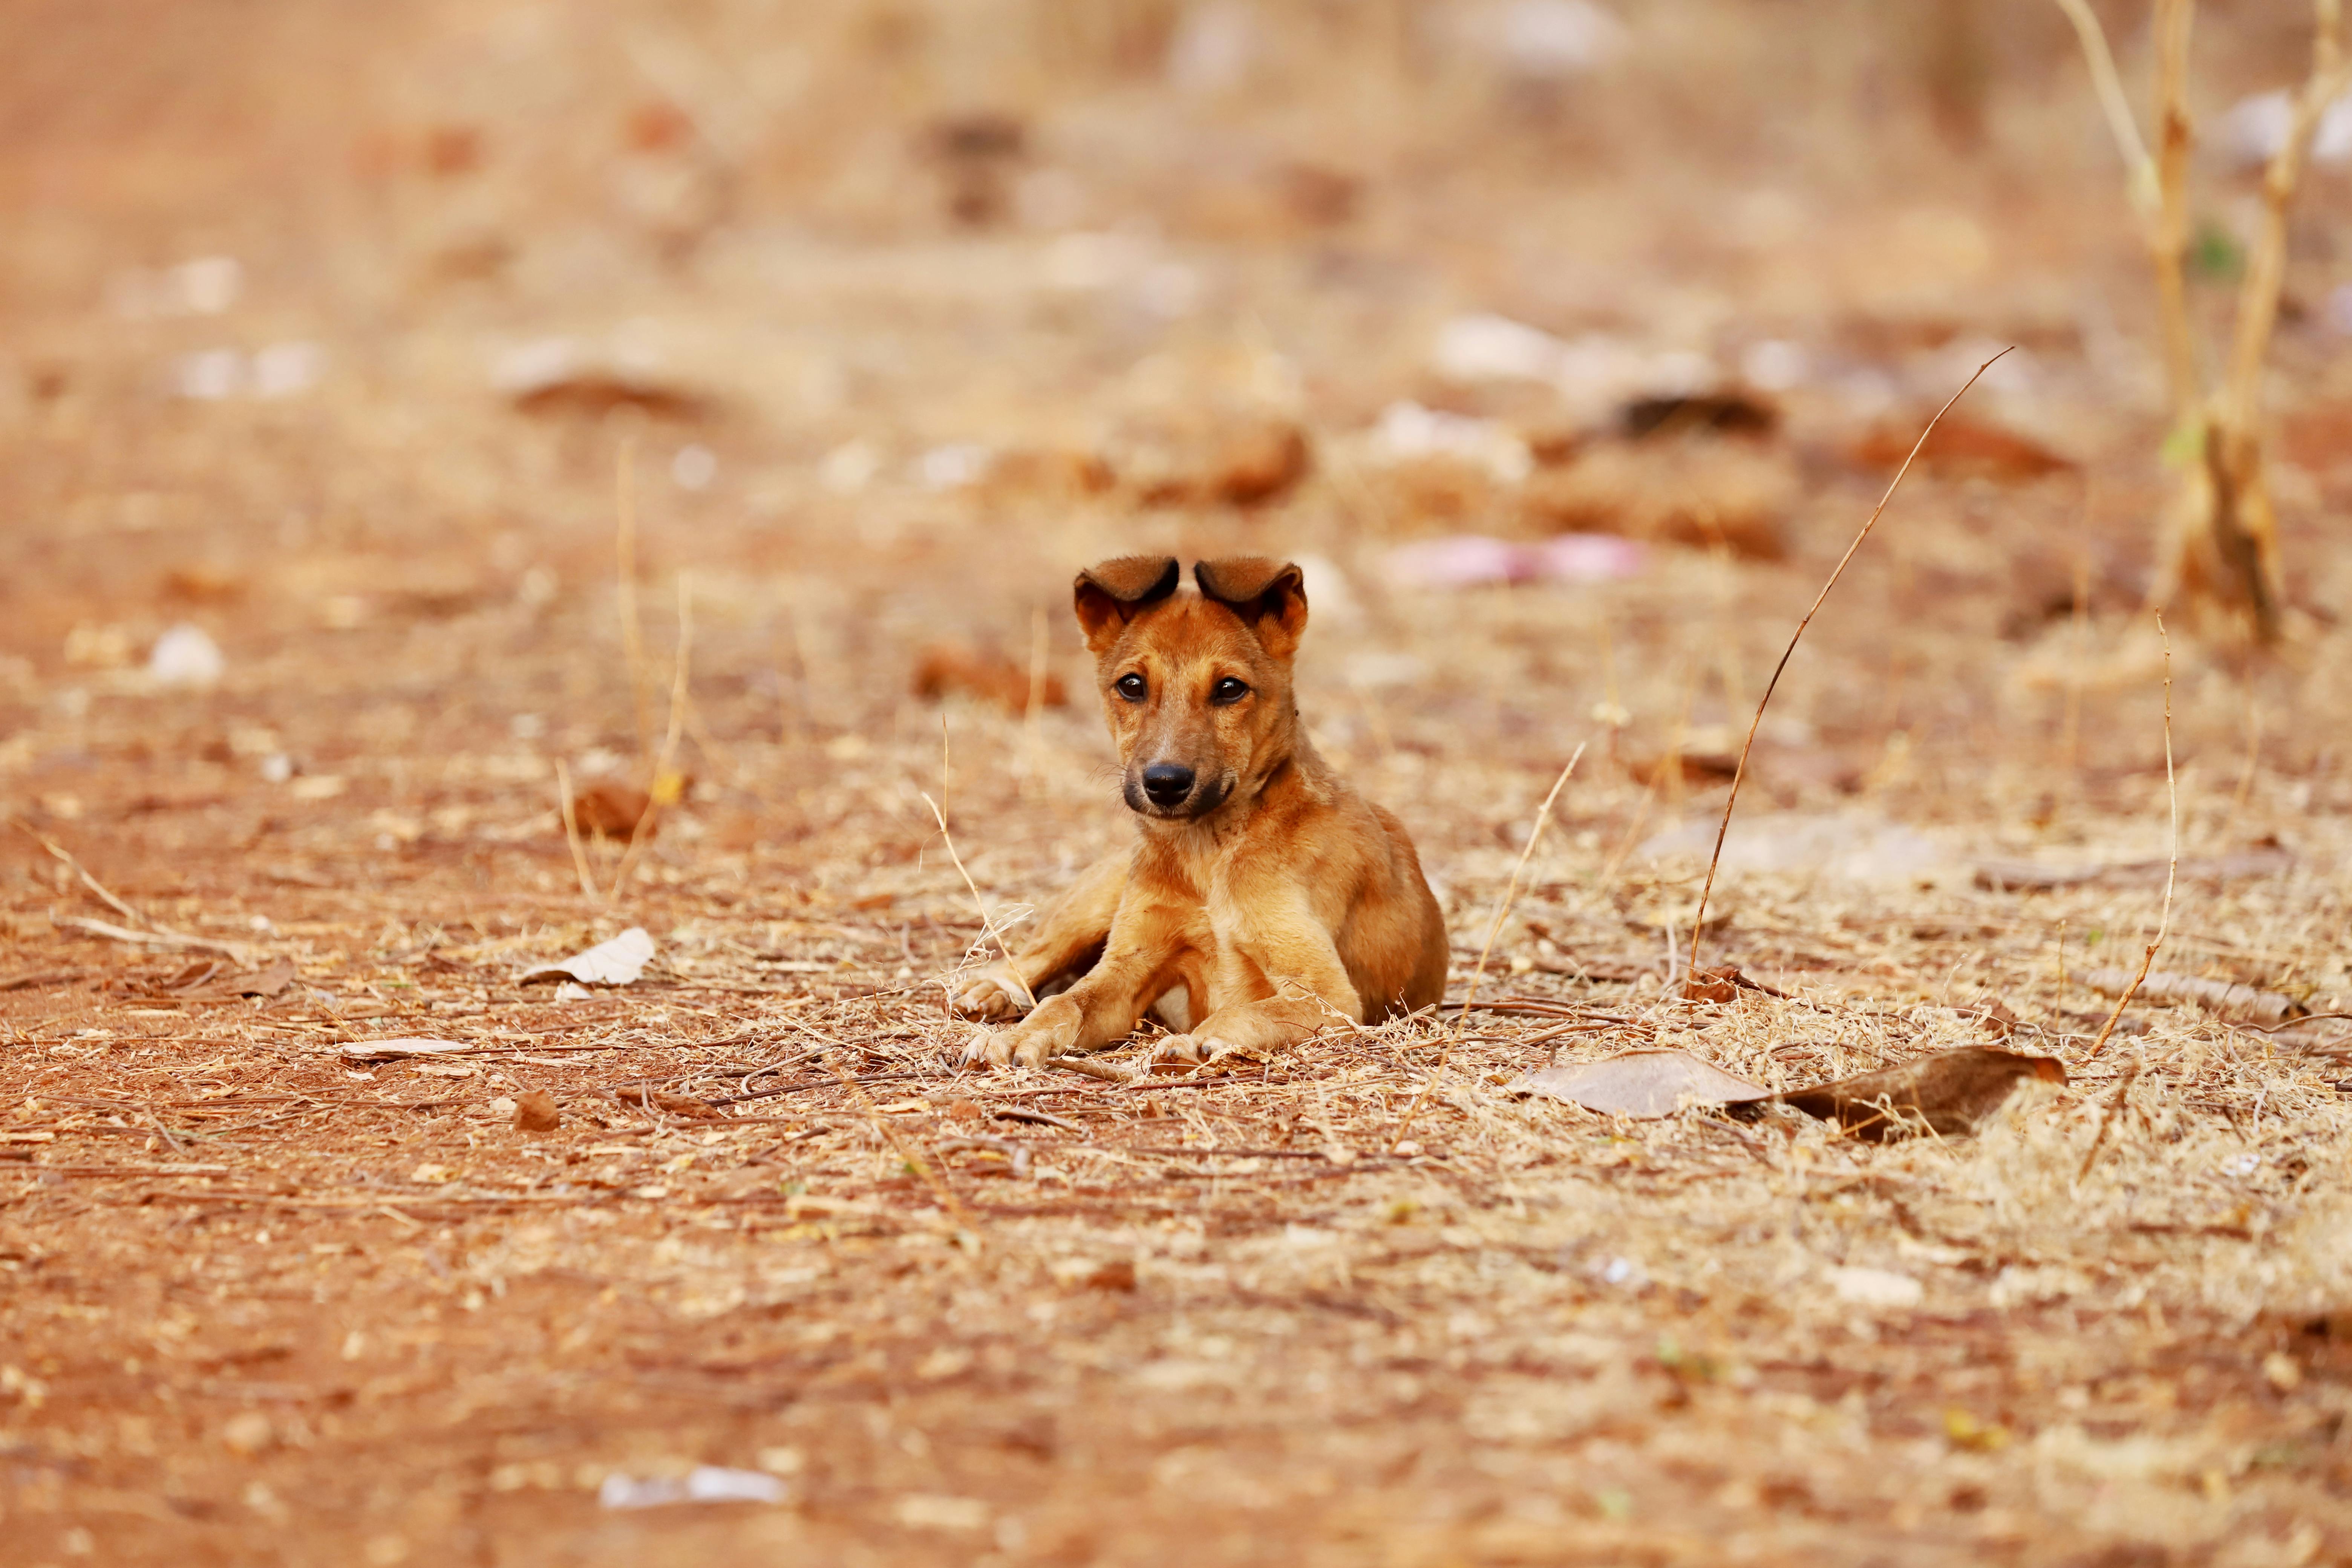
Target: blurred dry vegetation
{"x": 335, "y": 343}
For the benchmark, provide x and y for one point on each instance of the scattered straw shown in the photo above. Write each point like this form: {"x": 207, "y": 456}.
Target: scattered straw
{"x": 1478, "y": 973}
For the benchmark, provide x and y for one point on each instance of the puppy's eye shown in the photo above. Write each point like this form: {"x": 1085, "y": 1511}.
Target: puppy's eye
{"x": 1227, "y": 692}
{"x": 1132, "y": 686}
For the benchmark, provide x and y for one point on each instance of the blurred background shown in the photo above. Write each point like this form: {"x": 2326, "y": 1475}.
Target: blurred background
{"x": 1566, "y": 343}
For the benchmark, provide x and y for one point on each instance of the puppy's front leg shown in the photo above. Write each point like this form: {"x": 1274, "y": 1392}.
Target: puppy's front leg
{"x": 1103, "y": 1007}
{"x": 1073, "y": 932}
{"x": 1281, "y": 937}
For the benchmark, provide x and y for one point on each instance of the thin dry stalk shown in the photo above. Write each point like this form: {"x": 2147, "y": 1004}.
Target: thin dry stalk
{"x": 2258, "y": 298}
{"x": 65, "y": 856}
{"x": 1739, "y": 772}
{"x": 572, "y": 832}
{"x": 2109, "y": 87}
{"x": 988, "y": 921}
{"x": 2114, "y": 1106}
{"x": 1478, "y": 973}
{"x": 2170, "y": 238}
{"x": 2172, "y": 863}
{"x": 661, "y": 788}
{"x": 624, "y": 551}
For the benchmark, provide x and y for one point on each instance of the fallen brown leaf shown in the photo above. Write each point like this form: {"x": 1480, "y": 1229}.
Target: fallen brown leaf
{"x": 1952, "y": 1092}
{"x": 1212, "y": 457}
{"x": 2026, "y": 876}
{"x": 1959, "y": 447}
{"x": 593, "y": 395}
{"x": 1696, "y": 491}
{"x": 613, "y": 809}
{"x": 947, "y": 667}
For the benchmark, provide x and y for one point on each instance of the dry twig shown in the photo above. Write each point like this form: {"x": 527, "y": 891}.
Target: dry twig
{"x": 2164, "y": 923}
{"x": 1739, "y": 771}
{"x": 662, "y": 788}
{"x": 572, "y": 831}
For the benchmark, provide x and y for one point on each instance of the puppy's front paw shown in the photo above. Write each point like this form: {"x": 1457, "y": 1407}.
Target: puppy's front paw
{"x": 991, "y": 997}
{"x": 1179, "y": 1049}
{"x": 1051, "y": 1031}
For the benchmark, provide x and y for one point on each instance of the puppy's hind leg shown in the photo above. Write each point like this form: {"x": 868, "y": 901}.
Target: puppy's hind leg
{"x": 1067, "y": 943}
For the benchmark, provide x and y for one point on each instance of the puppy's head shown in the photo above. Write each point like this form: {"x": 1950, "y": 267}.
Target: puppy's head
{"x": 1197, "y": 687}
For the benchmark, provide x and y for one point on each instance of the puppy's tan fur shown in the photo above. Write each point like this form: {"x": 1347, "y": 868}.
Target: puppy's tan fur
{"x": 1275, "y": 898}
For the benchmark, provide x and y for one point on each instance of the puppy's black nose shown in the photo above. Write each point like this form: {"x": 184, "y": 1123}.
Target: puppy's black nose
{"x": 1167, "y": 784}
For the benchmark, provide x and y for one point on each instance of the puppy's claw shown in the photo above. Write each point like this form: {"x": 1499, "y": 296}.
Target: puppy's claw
{"x": 990, "y": 998}
{"x": 1177, "y": 1049}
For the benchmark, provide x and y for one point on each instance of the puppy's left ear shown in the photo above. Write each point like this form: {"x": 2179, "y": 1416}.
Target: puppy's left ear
{"x": 1270, "y": 597}
{"x": 1116, "y": 592}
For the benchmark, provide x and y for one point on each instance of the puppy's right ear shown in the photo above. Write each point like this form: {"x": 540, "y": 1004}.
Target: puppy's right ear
{"x": 1115, "y": 592}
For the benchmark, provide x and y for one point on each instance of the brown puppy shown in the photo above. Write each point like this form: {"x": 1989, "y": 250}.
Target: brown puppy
{"x": 1261, "y": 887}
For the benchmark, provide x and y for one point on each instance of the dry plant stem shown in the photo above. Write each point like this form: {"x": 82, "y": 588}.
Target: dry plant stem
{"x": 988, "y": 927}
{"x": 572, "y": 831}
{"x": 1739, "y": 772}
{"x": 65, "y": 856}
{"x": 165, "y": 1133}
{"x": 1478, "y": 973}
{"x": 624, "y": 551}
{"x": 2108, "y": 85}
{"x": 2115, "y": 1105}
{"x": 2172, "y": 866}
{"x": 2168, "y": 239}
{"x": 662, "y": 774}
{"x": 2258, "y": 299}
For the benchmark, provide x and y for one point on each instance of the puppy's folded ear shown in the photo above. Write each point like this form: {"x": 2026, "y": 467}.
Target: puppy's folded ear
{"x": 1270, "y": 597}
{"x": 1115, "y": 592}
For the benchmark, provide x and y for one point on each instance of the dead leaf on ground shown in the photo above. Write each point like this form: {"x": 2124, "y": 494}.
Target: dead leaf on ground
{"x": 2026, "y": 876}
{"x": 615, "y": 962}
{"x": 1117, "y": 1274}
{"x": 613, "y": 809}
{"x": 1693, "y": 768}
{"x": 2219, "y": 995}
{"x": 1960, "y": 447}
{"x": 1639, "y": 1083}
{"x": 1708, "y": 413}
{"x": 1047, "y": 470}
{"x": 1212, "y": 459}
{"x": 535, "y": 1112}
{"x": 593, "y": 395}
{"x": 202, "y": 585}
{"x": 1695, "y": 492}
{"x": 947, "y": 667}
{"x": 1952, "y": 1092}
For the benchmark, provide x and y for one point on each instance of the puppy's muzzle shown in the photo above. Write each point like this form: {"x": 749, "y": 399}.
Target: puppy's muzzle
{"x": 1172, "y": 789}
{"x": 1167, "y": 786}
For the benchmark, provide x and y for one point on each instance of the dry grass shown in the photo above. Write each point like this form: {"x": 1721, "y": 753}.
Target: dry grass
{"x": 265, "y": 1302}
